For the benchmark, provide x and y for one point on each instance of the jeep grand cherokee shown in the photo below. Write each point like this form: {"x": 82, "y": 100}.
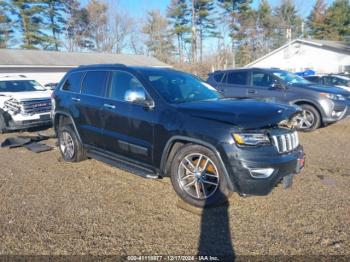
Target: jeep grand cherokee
{"x": 161, "y": 122}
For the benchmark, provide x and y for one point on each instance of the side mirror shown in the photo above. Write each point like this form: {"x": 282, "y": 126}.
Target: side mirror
{"x": 278, "y": 85}
{"x": 138, "y": 96}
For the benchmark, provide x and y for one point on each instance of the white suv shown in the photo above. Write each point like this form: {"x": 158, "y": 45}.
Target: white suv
{"x": 24, "y": 103}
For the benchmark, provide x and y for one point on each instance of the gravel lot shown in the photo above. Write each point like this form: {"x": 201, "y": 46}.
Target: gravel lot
{"x": 50, "y": 207}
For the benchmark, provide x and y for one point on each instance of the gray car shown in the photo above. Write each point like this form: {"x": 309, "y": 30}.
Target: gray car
{"x": 321, "y": 104}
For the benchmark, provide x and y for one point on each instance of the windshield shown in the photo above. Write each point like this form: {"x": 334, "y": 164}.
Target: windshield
{"x": 179, "y": 87}
{"x": 290, "y": 78}
{"x": 20, "y": 86}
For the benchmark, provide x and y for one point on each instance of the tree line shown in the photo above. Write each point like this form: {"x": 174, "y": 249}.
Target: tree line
{"x": 222, "y": 32}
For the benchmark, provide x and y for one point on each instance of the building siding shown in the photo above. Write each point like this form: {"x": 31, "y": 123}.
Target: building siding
{"x": 299, "y": 57}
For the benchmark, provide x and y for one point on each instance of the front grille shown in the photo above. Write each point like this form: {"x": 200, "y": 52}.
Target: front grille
{"x": 37, "y": 106}
{"x": 285, "y": 143}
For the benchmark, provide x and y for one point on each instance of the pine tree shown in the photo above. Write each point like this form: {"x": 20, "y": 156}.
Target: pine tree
{"x": 30, "y": 23}
{"x": 236, "y": 11}
{"x": 337, "y": 21}
{"x": 204, "y": 21}
{"x": 159, "y": 43}
{"x": 178, "y": 15}
{"x": 55, "y": 14}
{"x": 76, "y": 33}
{"x": 316, "y": 20}
{"x": 98, "y": 20}
{"x": 6, "y": 31}
{"x": 289, "y": 21}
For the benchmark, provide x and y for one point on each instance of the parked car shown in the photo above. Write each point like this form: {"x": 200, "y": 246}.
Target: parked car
{"x": 332, "y": 80}
{"x": 321, "y": 104}
{"x": 24, "y": 103}
{"x": 161, "y": 122}
{"x": 50, "y": 86}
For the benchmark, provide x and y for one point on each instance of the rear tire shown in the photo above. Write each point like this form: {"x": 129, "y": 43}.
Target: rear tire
{"x": 70, "y": 146}
{"x": 197, "y": 176}
{"x": 310, "y": 119}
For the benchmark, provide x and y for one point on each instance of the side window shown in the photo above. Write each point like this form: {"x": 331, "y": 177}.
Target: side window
{"x": 73, "y": 82}
{"x": 95, "y": 83}
{"x": 314, "y": 79}
{"x": 218, "y": 77}
{"x": 237, "y": 78}
{"x": 122, "y": 84}
{"x": 262, "y": 79}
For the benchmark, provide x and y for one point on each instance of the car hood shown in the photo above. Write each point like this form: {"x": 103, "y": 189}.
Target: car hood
{"x": 324, "y": 88}
{"x": 22, "y": 96}
{"x": 245, "y": 114}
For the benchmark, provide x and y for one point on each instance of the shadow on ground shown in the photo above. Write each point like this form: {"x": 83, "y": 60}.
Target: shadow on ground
{"x": 215, "y": 234}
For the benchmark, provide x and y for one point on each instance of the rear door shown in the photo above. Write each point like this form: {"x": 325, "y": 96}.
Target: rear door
{"x": 128, "y": 126}
{"x": 90, "y": 106}
{"x": 265, "y": 86}
{"x": 235, "y": 84}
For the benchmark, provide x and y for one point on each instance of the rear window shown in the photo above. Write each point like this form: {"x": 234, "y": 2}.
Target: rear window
{"x": 95, "y": 83}
{"x": 237, "y": 78}
{"x": 218, "y": 77}
{"x": 73, "y": 82}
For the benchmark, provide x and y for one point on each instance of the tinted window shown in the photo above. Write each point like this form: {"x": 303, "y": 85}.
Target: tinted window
{"x": 72, "y": 84}
{"x": 262, "y": 79}
{"x": 329, "y": 80}
{"x": 237, "y": 78}
{"x": 120, "y": 83}
{"x": 313, "y": 79}
{"x": 218, "y": 77}
{"x": 20, "y": 86}
{"x": 179, "y": 87}
{"x": 95, "y": 83}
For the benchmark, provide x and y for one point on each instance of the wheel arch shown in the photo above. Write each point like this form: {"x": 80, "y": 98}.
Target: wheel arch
{"x": 175, "y": 142}
{"x": 310, "y": 103}
{"x": 56, "y": 122}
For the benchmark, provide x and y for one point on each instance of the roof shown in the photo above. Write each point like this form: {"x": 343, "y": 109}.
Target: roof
{"x": 337, "y": 46}
{"x": 41, "y": 58}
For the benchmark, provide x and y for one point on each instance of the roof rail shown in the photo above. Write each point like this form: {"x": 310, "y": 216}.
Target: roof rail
{"x": 102, "y": 65}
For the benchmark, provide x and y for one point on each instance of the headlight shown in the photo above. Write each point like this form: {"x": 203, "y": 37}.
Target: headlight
{"x": 333, "y": 96}
{"x": 251, "y": 139}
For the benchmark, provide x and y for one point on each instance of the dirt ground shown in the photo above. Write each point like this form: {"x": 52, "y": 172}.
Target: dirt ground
{"x": 50, "y": 207}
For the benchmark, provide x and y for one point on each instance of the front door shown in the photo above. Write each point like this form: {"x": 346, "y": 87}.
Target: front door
{"x": 128, "y": 126}
{"x": 265, "y": 86}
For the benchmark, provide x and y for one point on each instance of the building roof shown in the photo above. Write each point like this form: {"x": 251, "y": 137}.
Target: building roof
{"x": 336, "y": 46}
{"x": 41, "y": 58}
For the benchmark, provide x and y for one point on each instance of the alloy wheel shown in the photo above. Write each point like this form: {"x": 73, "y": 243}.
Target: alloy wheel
{"x": 67, "y": 145}
{"x": 305, "y": 120}
{"x": 198, "y": 176}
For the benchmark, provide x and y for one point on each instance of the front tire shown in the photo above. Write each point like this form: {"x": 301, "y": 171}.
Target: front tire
{"x": 70, "y": 147}
{"x": 197, "y": 176}
{"x": 309, "y": 120}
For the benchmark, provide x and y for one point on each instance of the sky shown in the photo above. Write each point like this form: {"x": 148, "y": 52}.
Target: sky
{"x": 138, "y": 8}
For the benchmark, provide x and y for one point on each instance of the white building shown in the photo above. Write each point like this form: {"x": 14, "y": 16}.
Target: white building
{"x": 50, "y": 66}
{"x": 299, "y": 55}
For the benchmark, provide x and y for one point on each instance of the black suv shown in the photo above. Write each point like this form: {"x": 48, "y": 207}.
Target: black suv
{"x": 161, "y": 122}
{"x": 321, "y": 104}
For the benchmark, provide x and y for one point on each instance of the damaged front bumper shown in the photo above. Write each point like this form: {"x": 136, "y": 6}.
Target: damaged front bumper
{"x": 258, "y": 171}
{"x": 24, "y": 122}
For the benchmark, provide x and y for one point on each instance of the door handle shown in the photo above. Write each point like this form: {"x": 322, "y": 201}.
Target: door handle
{"x": 251, "y": 91}
{"x": 109, "y": 106}
{"x": 76, "y": 99}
